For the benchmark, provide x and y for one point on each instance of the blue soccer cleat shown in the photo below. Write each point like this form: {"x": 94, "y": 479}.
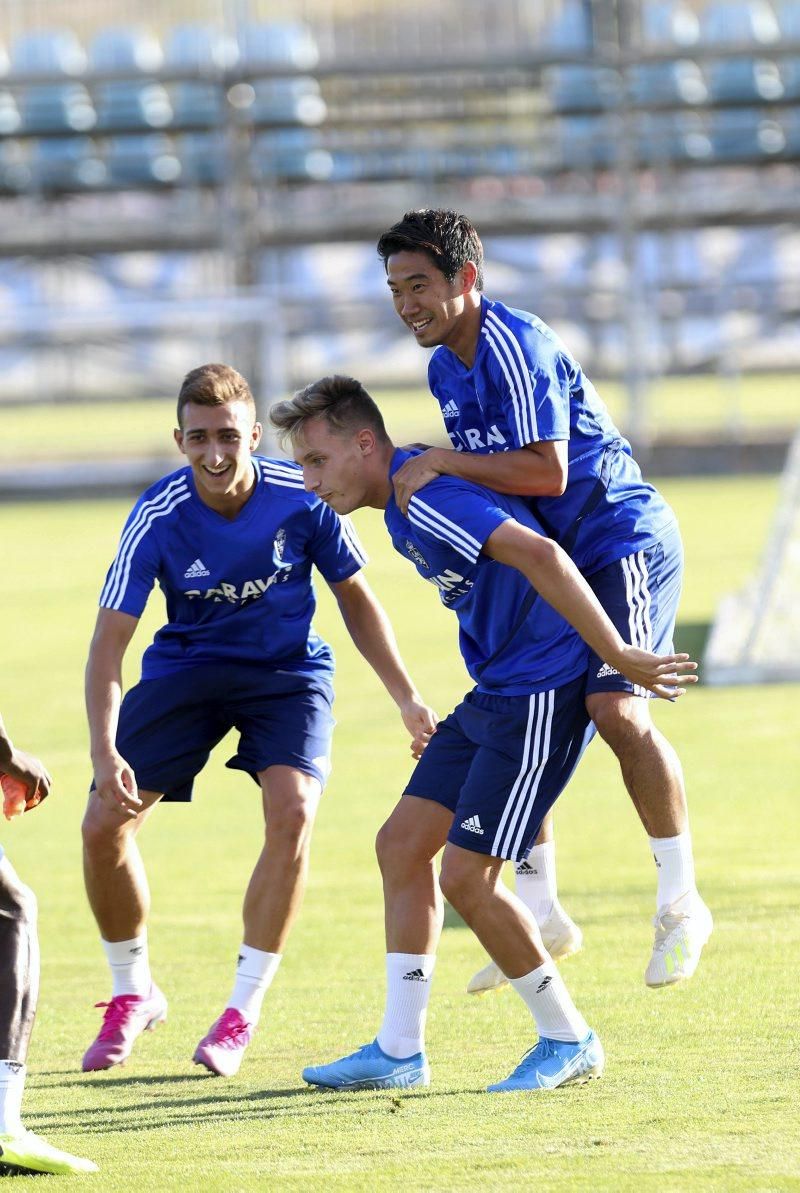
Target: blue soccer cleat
{"x": 370, "y": 1068}
{"x": 553, "y": 1063}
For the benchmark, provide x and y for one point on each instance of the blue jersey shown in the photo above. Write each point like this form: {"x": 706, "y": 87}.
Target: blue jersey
{"x": 524, "y": 387}
{"x": 236, "y": 590}
{"x": 448, "y": 522}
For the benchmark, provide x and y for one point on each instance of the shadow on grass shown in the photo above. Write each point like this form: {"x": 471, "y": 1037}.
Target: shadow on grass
{"x": 161, "y": 1113}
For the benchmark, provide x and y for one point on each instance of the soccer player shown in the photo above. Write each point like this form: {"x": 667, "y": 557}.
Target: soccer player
{"x": 21, "y": 1150}
{"x": 523, "y": 419}
{"x": 496, "y": 764}
{"x": 231, "y": 540}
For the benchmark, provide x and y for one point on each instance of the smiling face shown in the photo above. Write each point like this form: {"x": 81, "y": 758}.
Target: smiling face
{"x": 435, "y": 311}
{"x": 348, "y": 470}
{"x": 217, "y": 442}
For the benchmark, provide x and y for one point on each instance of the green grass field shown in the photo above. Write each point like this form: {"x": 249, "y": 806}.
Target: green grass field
{"x": 701, "y": 1085}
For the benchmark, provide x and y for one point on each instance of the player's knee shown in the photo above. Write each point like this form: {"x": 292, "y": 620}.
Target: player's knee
{"x": 456, "y": 884}
{"x": 620, "y": 722}
{"x": 289, "y": 827}
{"x": 100, "y": 834}
{"x": 388, "y": 847}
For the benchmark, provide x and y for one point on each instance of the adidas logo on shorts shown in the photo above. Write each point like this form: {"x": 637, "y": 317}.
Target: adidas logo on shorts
{"x": 472, "y": 824}
{"x": 605, "y": 671}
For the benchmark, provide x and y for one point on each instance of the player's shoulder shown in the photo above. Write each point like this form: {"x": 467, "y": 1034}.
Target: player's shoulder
{"x": 166, "y": 494}
{"x": 508, "y": 329}
{"x": 284, "y": 480}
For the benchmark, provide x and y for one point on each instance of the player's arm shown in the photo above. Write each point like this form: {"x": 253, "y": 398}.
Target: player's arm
{"x": 536, "y": 470}
{"x": 25, "y": 767}
{"x": 115, "y": 782}
{"x": 373, "y": 636}
{"x": 555, "y": 577}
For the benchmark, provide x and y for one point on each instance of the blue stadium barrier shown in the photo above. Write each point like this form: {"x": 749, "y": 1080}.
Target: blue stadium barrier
{"x": 202, "y": 158}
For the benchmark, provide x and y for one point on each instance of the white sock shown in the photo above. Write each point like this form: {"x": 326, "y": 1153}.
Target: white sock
{"x": 675, "y": 862}
{"x": 408, "y": 989}
{"x": 536, "y": 883}
{"x": 12, "y": 1084}
{"x": 130, "y": 965}
{"x": 548, "y": 1000}
{"x": 254, "y": 974}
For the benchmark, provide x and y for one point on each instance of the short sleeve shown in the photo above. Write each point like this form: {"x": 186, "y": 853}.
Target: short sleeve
{"x": 532, "y": 375}
{"x": 132, "y": 574}
{"x": 457, "y": 513}
{"x": 335, "y": 547}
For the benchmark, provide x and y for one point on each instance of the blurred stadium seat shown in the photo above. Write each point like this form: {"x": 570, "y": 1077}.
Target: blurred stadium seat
{"x": 141, "y": 161}
{"x": 666, "y": 25}
{"x": 63, "y": 164}
{"x": 208, "y": 51}
{"x": 574, "y": 86}
{"x": 741, "y": 22}
{"x": 132, "y": 102}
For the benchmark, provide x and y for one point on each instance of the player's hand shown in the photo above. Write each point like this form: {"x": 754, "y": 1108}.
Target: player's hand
{"x": 663, "y": 675}
{"x": 415, "y": 473}
{"x": 420, "y": 721}
{"x": 115, "y": 784}
{"x": 32, "y": 772}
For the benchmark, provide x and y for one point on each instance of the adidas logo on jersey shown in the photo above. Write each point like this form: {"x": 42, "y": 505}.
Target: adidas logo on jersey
{"x": 472, "y": 824}
{"x": 196, "y": 569}
{"x": 450, "y": 410}
{"x": 605, "y": 671}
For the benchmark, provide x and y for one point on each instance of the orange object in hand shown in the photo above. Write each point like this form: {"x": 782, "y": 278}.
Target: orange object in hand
{"x": 14, "y": 796}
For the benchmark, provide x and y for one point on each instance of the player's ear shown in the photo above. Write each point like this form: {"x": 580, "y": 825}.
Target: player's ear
{"x": 177, "y": 435}
{"x": 255, "y": 436}
{"x": 366, "y": 441}
{"x": 469, "y": 273}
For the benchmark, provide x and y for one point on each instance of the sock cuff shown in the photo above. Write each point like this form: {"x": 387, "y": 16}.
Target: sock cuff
{"x": 12, "y": 1068}
{"x": 257, "y": 964}
{"x": 663, "y": 843}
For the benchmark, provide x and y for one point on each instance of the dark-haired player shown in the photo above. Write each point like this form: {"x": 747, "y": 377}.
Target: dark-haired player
{"x": 523, "y": 419}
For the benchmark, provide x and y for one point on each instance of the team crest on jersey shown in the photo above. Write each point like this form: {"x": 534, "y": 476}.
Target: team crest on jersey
{"x": 416, "y": 554}
{"x": 280, "y": 542}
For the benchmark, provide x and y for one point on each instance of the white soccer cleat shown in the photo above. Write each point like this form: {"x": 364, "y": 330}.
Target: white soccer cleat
{"x": 682, "y": 928}
{"x": 561, "y": 936}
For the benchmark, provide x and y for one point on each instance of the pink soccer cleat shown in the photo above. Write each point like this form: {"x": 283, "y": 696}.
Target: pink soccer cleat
{"x": 221, "y": 1051}
{"x": 126, "y": 1017}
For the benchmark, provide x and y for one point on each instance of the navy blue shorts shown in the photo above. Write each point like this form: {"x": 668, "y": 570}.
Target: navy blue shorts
{"x": 169, "y": 726}
{"x": 640, "y": 594}
{"x": 499, "y": 763}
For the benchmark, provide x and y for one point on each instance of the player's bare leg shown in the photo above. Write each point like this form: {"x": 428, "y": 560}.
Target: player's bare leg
{"x": 537, "y": 887}
{"x": 113, "y": 870}
{"x": 21, "y": 1150}
{"x": 406, "y": 846}
{"x": 653, "y": 776}
{"x": 116, "y": 885}
{"x": 273, "y": 899}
